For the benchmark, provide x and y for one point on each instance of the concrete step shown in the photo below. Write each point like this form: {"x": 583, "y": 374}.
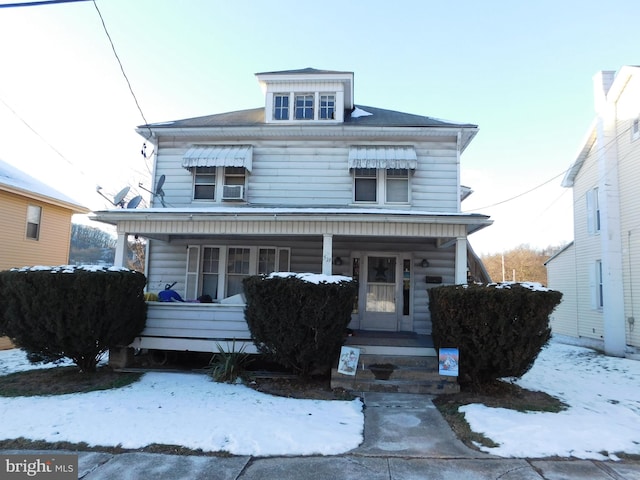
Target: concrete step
{"x": 407, "y": 374}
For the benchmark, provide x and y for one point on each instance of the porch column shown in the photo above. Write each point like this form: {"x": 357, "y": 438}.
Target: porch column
{"x": 121, "y": 248}
{"x": 327, "y": 254}
{"x": 461, "y": 261}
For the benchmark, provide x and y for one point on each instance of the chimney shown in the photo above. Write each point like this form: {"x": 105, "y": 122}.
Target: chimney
{"x": 602, "y": 82}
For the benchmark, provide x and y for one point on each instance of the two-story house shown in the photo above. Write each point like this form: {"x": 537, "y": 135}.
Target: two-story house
{"x": 598, "y": 272}
{"x": 308, "y": 182}
{"x": 35, "y": 222}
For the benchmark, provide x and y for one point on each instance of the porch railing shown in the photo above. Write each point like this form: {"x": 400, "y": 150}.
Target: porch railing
{"x": 195, "y": 327}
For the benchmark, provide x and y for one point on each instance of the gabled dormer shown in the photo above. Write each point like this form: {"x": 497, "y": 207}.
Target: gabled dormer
{"x": 306, "y": 96}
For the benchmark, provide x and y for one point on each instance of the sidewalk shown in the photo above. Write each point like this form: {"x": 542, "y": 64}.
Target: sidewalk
{"x": 405, "y": 438}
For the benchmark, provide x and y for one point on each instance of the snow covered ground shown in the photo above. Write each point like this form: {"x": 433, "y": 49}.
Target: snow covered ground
{"x": 192, "y": 411}
{"x": 603, "y": 394}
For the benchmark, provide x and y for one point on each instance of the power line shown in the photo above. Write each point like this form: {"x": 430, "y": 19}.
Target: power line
{"x": 124, "y": 74}
{"x": 38, "y": 3}
{"x": 520, "y": 194}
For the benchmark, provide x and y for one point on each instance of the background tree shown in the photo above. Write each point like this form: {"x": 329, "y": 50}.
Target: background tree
{"x": 91, "y": 246}
{"x": 520, "y": 264}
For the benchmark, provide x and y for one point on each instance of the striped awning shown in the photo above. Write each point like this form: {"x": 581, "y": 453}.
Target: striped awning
{"x": 383, "y": 157}
{"x": 219, "y": 156}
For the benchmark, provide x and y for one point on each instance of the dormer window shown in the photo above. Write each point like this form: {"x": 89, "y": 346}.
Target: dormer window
{"x": 306, "y": 96}
{"x": 281, "y": 106}
{"x": 304, "y": 107}
{"x": 327, "y": 107}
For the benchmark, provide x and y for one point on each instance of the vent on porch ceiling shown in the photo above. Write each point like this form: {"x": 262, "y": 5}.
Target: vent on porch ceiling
{"x": 233, "y": 192}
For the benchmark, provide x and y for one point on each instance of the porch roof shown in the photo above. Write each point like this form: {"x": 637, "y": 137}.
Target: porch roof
{"x": 290, "y": 220}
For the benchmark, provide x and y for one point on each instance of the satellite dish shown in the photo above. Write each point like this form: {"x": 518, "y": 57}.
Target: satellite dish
{"x": 118, "y": 200}
{"x": 134, "y": 202}
{"x": 157, "y": 192}
{"x": 160, "y": 184}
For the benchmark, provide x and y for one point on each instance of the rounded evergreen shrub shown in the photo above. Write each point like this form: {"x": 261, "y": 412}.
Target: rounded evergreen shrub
{"x": 499, "y": 329}
{"x": 299, "y": 320}
{"x": 73, "y": 312}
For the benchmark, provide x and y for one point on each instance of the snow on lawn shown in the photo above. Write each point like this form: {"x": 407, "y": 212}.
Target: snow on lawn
{"x": 603, "y": 394}
{"x": 183, "y": 409}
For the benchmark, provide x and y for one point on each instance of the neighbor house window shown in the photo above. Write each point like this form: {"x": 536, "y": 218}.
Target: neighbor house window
{"x": 593, "y": 211}
{"x": 304, "y": 107}
{"x": 366, "y": 184}
{"x": 281, "y": 106}
{"x": 327, "y": 107}
{"x": 397, "y": 185}
{"x": 635, "y": 129}
{"x": 204, "y": 183}
{"x": 599, "y": 285}
{"x": 34, "y": 215}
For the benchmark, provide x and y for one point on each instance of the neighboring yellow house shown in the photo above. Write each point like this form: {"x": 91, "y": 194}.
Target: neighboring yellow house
{"x": 35, "y": 223}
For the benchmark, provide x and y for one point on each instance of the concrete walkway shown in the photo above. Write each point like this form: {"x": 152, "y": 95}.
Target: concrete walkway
{"x": 405, "y": 438}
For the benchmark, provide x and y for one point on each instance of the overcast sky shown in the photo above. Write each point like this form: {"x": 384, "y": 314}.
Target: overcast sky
{"x": 522, "y": 71}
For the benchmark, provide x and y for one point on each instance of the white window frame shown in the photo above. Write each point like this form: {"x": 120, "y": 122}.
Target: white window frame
{"x": 34, "y": 221}
{"x": 306, "y": 96}
{"x": 194, "y": 280}
{"x": 280, "y": 108}
{"x": 205, "y": 172}
{"x": 382, "y": 188}
{"x": 593, "y": 211}
{"x": 221, "y": 177}
{"x": 327, "y": 106}
{"x": 597, "y": 286}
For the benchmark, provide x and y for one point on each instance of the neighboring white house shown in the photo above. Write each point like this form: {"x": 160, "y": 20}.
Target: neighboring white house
{"x": 599, "y": 272}
{"x": 308, "y": 182}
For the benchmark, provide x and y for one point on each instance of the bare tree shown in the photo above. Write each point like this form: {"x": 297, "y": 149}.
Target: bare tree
{"x": 520, "y": 264}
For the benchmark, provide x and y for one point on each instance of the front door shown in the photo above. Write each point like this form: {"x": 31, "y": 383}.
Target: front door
{"x": 379, "y": 293}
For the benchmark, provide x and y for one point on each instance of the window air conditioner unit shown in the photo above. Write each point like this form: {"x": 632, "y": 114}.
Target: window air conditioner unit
{"x": 233, "y": 192}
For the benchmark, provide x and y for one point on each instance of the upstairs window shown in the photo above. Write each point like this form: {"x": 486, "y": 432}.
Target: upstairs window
{"x": 304, "y": 107}
{"x": 281, "y": 106}
{"x": 34, "y": 215}
{"x": 327, "y": 107}
{"x": 390, "y": 185}
{"x": 204, "y": 187}
{"x": 397, "y": 185}
{"x": 366, "y": 181}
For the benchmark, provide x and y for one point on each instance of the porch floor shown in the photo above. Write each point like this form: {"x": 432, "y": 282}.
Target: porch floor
{"x": 364, "y": 338}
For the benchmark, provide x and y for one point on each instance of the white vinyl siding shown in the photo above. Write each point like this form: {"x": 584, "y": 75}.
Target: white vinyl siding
{"x": 311, "y": 173}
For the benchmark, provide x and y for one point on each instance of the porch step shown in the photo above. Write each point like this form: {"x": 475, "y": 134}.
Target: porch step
{"x": 410, "y": 374}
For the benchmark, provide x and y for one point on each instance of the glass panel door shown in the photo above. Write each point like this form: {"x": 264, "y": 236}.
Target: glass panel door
{"x": 381, "y": 285}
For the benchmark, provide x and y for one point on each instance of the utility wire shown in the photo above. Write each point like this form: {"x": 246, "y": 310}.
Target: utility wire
{"x": 124, "y": 74}
{"x": 39, "y": 3}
